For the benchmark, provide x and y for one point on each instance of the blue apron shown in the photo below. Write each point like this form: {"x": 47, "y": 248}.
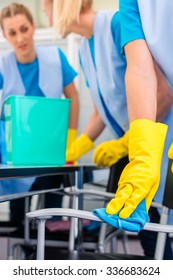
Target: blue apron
{"x": 157, "y": 23}
{"x": 107, "y": 78}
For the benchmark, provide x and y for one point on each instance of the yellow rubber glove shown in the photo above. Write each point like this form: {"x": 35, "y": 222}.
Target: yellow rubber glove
{"x": 109, "y": 152}
{"x": 71, "y": 136}
{"x": 141, "y": 176}
{"x": 81, "y": 146}
{"x": 170, "y": 154}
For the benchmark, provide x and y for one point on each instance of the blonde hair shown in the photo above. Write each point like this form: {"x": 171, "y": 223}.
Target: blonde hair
{"x": 13, "y": 10}
{"x": 66, "y": 12}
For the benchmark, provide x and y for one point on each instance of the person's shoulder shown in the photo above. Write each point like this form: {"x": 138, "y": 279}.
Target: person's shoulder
{"x": 6, "y": 58}
{"x": 46, "y": 48}
{"x": 50, "y": 51}
{"x": 7, "y": 54}
{"x": 115, "y": 22}
{"x": 62, "y": 56}
{"x": 61, "y": 52}
{"x": 115, "y": 27}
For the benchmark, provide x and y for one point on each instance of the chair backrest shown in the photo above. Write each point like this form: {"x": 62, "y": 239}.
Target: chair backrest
{"x": 117, "y": 168}
{"x": 115, "y": 172}
{"x": 168, "y": 193}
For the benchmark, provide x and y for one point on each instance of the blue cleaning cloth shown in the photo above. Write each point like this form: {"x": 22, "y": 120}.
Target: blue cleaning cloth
{"x": 134, "y": 223}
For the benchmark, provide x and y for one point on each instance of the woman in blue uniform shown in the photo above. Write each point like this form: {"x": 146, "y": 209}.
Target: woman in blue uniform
{"x": 104, "y": 63}
{"x": 146, "y": 34}
{"x": 157, "y": 23}
{"x": 33, "y": 71}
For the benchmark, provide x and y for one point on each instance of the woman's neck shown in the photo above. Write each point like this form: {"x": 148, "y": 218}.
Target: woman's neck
{"x": 26, "y": 58}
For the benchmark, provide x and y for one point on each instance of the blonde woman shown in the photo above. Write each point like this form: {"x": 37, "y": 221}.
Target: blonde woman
{"x": 104, "y": 66}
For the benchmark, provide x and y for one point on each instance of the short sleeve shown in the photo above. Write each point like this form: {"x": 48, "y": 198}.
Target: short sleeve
{"x": 130, "y": 22}
{"x": 68, "y": 73}
{"x": 116, "y": 33}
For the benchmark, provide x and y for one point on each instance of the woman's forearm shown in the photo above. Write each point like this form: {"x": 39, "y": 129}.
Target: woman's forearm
{"x": 71, "y": 92}
{"x": 141, "y": 82}
{"x": 95, "y": 126}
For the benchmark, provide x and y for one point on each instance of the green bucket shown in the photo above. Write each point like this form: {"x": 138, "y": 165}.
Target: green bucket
{"x": 36, "y": 130}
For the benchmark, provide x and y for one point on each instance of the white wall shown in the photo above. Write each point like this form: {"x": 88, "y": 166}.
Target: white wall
{"x": 105, "y": 4}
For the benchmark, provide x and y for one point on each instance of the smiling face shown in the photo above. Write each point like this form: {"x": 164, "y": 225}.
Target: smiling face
{"x": 19, "y": 32}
